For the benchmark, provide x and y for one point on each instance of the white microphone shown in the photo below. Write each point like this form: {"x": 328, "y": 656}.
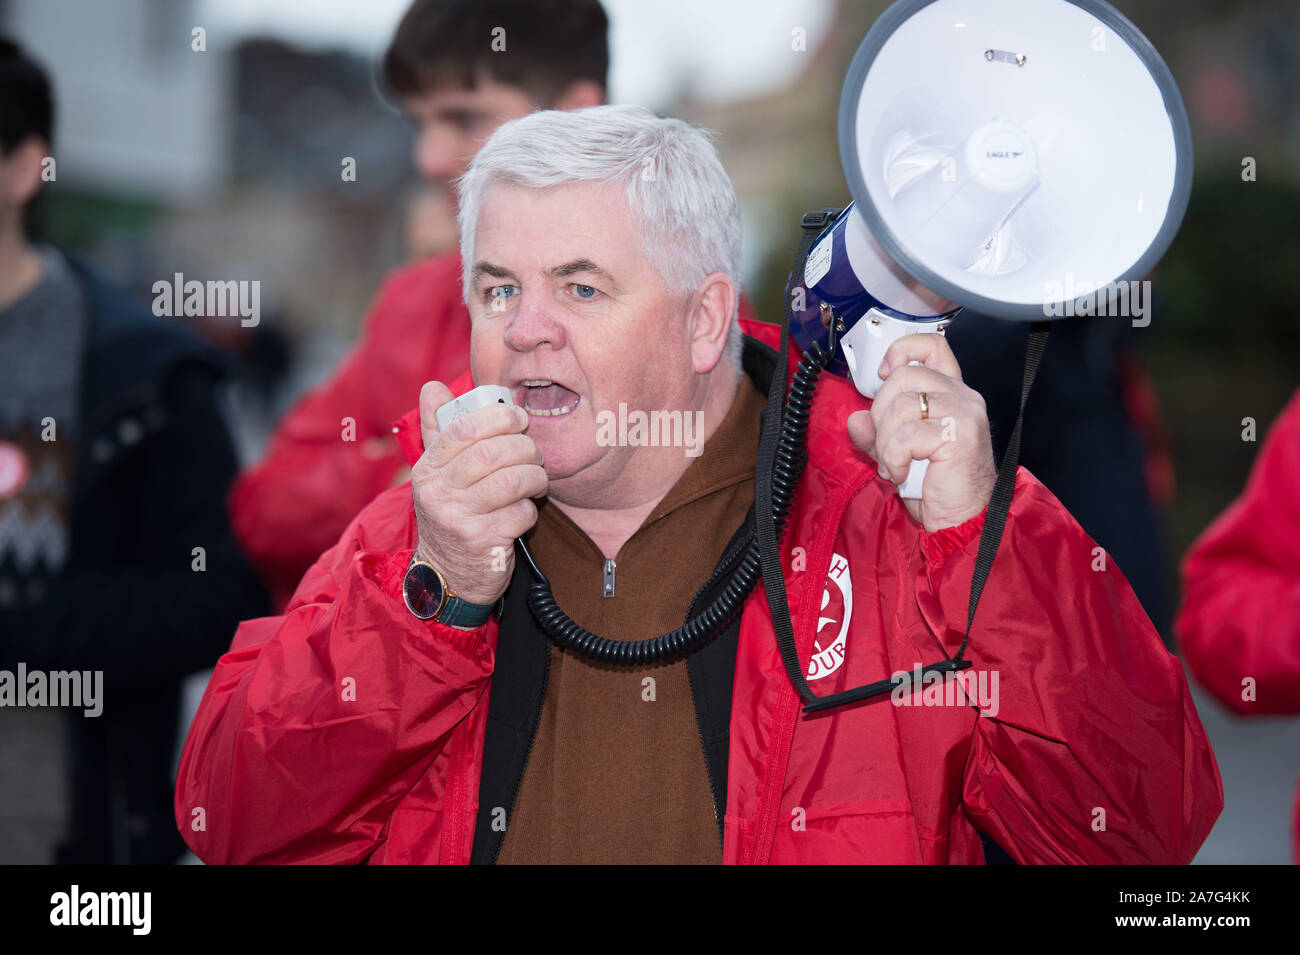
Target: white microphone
{"x": 479, "y": 397}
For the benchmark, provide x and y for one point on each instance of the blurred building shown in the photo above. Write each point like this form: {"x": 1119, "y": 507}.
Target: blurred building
{"x": 184, "y": 148}
{"x": 141, "y": 113}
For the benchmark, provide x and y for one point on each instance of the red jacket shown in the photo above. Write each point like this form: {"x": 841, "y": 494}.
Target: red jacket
{"x": 1241, "y": 584}
{"x": 334, "y": 450}
{"x": 348, "y": 730}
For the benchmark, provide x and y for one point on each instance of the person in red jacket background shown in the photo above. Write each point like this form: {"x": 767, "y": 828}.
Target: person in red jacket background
{"x": 293, "y": 505}
{"x": 409, "y": 707}
{"x": 1240, "y": 622}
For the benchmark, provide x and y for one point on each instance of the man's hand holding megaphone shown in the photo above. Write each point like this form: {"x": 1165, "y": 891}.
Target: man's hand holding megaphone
{"x": 925, "y": 411}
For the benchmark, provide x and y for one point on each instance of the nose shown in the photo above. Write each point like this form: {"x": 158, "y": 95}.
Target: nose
{"x": 440, "y": 153}
{"x": 532, "y": 324}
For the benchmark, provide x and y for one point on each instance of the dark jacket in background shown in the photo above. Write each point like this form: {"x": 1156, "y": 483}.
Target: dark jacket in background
{"x": 154, "y": 461}
{"x": 1078, "y": 438}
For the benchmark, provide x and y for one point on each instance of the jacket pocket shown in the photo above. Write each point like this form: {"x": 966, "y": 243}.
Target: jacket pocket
{"x": 875, "y": 832}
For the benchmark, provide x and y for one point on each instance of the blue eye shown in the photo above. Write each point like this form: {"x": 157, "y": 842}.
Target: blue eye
{"x": 498, "y": 294}
{"x": 584, "y": 291}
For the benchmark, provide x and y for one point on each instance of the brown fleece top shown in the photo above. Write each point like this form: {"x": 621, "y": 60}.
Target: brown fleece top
{"x": 617, "y": 771}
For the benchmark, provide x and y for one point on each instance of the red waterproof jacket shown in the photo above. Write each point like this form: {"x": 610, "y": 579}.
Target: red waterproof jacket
{"x": 1241, "y": 584}
{"x": 350, "y": 731}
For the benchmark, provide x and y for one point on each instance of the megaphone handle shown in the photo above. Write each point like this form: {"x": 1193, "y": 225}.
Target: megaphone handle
{"x": 910, "y": 486}
{"x": 864, "y": 345}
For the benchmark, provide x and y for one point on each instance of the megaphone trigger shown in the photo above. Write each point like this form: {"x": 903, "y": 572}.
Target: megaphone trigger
{"x": 865, "y": 344}
{"x": 864, "y": 347}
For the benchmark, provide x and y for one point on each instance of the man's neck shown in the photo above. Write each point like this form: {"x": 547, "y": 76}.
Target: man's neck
{"x": 609, "y": 530}
{"x": 610, "y": 527}
{"x": 20, "y": 268}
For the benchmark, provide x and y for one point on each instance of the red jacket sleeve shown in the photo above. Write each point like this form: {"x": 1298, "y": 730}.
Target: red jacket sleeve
{"x": 292, "y": 506}
{"x": 1092, "y": 751}
{"x": 315, "y": 724}
{"x": 1241, "y": 586}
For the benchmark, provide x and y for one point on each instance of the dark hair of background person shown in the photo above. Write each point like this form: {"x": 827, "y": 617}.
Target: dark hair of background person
{"x": 26, "y": 102}
{"x": 549, "y": 45}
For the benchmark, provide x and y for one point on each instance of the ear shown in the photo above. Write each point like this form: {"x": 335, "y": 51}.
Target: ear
{"x": 580, "y": 94}
{"x": 715, "y": 308}
{"x": 22, "y": 179}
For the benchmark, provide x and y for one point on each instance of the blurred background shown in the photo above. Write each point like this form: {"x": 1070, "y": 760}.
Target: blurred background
{"x": 226, "y": 163}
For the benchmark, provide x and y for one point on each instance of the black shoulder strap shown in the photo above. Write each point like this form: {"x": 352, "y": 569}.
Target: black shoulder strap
{"x": 995, "y": 520}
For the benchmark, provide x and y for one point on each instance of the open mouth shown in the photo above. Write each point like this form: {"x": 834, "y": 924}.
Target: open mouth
{"x": 546, "y": 399}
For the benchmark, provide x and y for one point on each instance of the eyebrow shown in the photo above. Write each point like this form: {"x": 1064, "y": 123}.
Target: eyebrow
{"x": 482, "y": 268}
{"x": 582, "y": 265}
{"x": 487, "y": 268}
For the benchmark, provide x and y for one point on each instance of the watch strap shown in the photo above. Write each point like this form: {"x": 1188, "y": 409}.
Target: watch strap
{"x": 462, "y": 613}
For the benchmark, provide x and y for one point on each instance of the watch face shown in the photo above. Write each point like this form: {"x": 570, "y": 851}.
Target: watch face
{"x": 422, "y": 590}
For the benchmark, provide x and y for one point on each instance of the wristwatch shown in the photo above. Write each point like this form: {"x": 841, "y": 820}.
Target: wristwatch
{"x": 428, "y": 597}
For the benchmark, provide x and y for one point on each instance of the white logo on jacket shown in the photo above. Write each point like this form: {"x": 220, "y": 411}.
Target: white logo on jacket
{"x": 828, "y": 646}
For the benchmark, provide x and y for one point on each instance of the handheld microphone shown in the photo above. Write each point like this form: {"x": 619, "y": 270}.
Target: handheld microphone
{"x": 472, "y": 400}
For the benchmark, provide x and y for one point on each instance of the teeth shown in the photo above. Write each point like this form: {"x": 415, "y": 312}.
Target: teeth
{"x": 551, "y": 412}
{"x": 540, "y": 383}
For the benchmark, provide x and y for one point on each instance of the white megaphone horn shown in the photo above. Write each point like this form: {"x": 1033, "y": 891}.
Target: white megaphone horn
{"x": 1009, "y": 156}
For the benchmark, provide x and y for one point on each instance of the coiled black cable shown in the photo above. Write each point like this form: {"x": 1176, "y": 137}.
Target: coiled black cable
{"x": 791, "y": 456}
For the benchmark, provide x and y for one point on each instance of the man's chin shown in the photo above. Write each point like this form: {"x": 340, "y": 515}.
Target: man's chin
{"x": 560, "y": 466}
{"x": 564, "y": 460}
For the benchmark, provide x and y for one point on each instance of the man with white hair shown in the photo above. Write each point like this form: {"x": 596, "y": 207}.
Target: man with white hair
{"x": 410, "y": 707}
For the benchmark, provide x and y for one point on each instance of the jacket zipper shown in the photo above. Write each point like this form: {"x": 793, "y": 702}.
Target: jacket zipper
{"x": 532, "y": 738}
{"x": 770, "y": 781}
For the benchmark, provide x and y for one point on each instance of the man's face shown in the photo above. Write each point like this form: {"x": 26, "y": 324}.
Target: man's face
{"x": 454, "y": 123}
{"x": 562, "y": 293}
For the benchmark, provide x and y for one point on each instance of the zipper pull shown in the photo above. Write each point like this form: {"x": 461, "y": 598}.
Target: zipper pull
{"x": 609, "y": 578}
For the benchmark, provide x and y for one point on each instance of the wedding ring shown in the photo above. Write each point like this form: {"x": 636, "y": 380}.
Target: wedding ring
{"x": 925, "y": 406}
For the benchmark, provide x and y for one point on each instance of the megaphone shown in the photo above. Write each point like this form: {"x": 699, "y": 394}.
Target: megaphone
{"x": 1015, "y": 157}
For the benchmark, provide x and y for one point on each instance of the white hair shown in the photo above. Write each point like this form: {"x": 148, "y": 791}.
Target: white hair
{"x": 682, "y": 198}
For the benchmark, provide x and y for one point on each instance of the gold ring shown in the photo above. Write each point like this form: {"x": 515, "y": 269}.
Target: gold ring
{"x": 925, "y": 406}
